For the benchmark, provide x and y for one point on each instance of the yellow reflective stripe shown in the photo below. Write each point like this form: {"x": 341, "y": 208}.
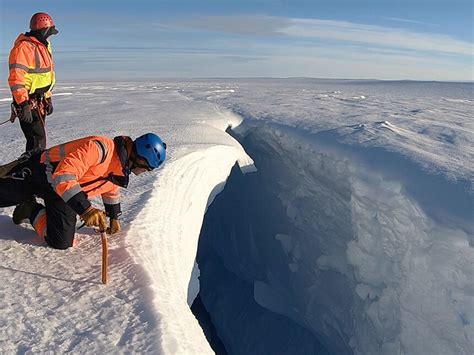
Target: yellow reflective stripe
{"x": 40, "y": 214}
{"x": 62, "y": 151}
{"x": 16, "y": 87}
{"x": 111, "y": 200}
{"x": 53, "y": 77}
{"x": 39, "y": 70}
{"x": 103, "y": 150}
{"x": 75, "y": 189}
{"x": 37, "y": 58}
{"x": 49, "y": 167}
{"x": 18, "y": 66}
{"x": 62, "y": 178}
{"x": 40, "y": 223}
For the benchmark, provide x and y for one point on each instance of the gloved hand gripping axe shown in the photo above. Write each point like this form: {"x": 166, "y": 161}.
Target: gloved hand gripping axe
{"x": 94, "y": 217}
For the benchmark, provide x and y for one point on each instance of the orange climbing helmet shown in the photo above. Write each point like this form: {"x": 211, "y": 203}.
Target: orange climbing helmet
{"x": 41, "y": 20}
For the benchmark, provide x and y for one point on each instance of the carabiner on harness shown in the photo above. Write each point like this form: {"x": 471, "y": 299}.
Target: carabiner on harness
{"x": 23, "y": 174}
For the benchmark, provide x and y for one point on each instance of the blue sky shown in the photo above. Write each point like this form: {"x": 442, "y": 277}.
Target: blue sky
{"x": 404, "y": 39}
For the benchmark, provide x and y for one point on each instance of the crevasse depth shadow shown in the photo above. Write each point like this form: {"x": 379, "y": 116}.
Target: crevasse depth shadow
{"x": 236, "y": 248}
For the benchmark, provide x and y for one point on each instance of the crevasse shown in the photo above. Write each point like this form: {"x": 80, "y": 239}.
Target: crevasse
{"x": 328, "y": 249}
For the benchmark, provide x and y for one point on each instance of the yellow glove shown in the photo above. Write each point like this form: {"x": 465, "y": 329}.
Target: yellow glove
{"x": 114, "y": 226}
{"x": 94, "y": 217}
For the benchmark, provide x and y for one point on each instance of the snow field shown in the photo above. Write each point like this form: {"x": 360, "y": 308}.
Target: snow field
{"x": 370, "y": 249}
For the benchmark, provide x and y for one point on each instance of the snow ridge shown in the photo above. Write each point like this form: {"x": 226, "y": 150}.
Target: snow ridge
{"x": 166, "y": 233}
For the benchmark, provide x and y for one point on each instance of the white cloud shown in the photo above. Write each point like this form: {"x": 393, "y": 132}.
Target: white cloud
{"x": 269, "y": 46}
{"x": 249, "y": 25}
{"x": 377, "y": 36}
{"x": 329, "y": 30}
{"x": 397, "y": 19}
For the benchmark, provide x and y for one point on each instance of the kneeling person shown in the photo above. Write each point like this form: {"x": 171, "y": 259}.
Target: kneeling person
{"x": 68, "y": 175}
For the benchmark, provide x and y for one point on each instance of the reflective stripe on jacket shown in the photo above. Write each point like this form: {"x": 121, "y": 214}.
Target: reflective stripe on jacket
{"x": 31, "y": 68}
{"x": 81, "y": 169}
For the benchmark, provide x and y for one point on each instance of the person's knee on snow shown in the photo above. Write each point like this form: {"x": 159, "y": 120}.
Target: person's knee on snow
{"x": 36, "y": 214}
{"x": 59, "y": 242}
{"x": 58, "y": 233}
{"x": 38, "y": 221}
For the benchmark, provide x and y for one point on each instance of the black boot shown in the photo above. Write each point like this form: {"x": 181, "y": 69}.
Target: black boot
{"x": 23, "y": 211}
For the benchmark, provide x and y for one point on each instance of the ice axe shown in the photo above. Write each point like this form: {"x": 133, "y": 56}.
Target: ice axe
{"x": 13, "y": 115}
{"x": 105, "y": 251}
{"x": 105, "y": 254}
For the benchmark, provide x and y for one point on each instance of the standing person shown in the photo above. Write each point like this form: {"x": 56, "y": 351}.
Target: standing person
{"x": 68, "y": 175}
{"x": 32, "y": 78}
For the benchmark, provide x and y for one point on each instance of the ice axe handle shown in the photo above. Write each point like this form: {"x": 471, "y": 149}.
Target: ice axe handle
{"x": 105, "y": 257}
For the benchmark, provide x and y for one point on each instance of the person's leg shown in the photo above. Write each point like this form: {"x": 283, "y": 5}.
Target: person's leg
{"x": 19, "y": 188}
{"x": 13, "y": 192}
{"x": 56, "y": 223}
{"x": 34, "y": 132}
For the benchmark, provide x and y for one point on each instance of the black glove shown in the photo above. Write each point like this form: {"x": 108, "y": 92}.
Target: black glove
{"x": 25, "y": 112}
{"x": 48, "y": 106}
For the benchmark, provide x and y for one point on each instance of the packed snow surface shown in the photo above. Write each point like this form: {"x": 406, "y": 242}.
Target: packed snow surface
{"x": 353, "y": 224}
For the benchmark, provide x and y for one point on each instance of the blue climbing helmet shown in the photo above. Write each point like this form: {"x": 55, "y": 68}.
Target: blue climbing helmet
{"x": 151, "y": 148}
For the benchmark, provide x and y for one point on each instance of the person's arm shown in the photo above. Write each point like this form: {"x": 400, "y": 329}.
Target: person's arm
{"x": 48, "y": 95}
{"x": 111, "y": 200}
{"x": 71, "y": 169}
{"x": 19, "y": 64}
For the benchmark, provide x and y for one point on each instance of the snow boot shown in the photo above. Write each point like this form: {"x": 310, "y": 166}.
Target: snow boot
{"x": 23, "y": 211}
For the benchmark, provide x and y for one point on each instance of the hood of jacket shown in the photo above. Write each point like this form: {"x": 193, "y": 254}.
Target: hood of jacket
{"x": 30, "y": 38}
{"x": 123, "y": 146}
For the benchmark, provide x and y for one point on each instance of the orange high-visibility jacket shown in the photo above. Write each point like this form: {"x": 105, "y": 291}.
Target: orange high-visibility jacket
{"x": 31, "y": 68}
{"x": 85, "y": 168}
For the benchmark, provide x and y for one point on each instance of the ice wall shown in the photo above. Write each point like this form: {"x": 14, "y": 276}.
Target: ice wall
{"x": 326, "y": 249}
